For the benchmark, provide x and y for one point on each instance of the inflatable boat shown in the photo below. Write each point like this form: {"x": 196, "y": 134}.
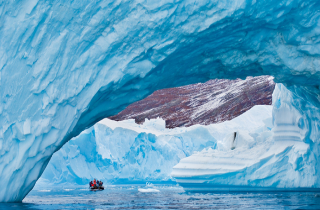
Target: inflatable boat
{"x": 97, "y": 188}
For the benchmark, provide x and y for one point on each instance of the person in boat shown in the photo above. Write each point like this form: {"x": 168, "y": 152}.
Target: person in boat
{"x": 90, "y": 184}
{"x": 94, "y": 183}
{"x": 101, "y": 185}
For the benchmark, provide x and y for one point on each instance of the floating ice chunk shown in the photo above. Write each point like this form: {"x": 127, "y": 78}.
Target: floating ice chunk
{"x": 44, "y": 190}
{"x": 148, "y": 190}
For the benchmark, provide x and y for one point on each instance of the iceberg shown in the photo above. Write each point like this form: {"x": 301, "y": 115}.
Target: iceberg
{"x": 268, "y": 159}
{"x": 123, "y": 151}
{"x": 122, "y": 155}
{"x": 66, "y": 65}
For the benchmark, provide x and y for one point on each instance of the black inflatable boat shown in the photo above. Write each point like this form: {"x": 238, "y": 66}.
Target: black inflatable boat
{"x": 97, "y": 188}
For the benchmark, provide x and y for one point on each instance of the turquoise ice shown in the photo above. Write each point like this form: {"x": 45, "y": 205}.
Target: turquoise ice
{"x": 66, "y": 65}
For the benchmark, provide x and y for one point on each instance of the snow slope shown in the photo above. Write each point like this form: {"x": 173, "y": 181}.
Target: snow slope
{"x": 65, "y": 65}
{"x": 125, "y": 151}
{"x": 203, "y": 103}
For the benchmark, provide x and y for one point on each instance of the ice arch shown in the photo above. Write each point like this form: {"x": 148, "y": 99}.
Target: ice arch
{"x": 65, "y": 65}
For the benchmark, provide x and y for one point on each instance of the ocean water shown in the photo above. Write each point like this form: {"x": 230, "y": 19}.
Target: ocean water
{"x": 169, "y": 197}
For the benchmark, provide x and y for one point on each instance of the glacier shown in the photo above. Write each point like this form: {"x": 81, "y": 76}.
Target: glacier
{"x": 124, "y": 152}
{"x": 66, "y": 65}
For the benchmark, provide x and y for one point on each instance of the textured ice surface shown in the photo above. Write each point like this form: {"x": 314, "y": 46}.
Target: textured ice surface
{"x": 66, "y": 65}
{"x": 125, "y": 151}
{"x": 122, "y": 155}
{"x": 277, "y": 158}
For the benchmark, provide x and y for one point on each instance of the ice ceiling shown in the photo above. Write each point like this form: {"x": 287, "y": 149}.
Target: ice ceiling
{"x": 66, "y": 65}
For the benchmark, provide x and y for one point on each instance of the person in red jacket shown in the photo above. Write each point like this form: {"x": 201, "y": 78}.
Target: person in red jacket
{"x": 95, "y": 183}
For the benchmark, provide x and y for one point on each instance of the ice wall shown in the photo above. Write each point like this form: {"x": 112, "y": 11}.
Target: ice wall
{"x": 303, "y": 103}
{"x": 122, "y": 155}
{"x": 121, "y": 152}
{"x": 66, "y": 65}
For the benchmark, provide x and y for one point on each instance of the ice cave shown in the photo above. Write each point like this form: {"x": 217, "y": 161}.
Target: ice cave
{"x": 64, "y": 66}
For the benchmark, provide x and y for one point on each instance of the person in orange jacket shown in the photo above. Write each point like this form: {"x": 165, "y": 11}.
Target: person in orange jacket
{"x": 94, "y": 183}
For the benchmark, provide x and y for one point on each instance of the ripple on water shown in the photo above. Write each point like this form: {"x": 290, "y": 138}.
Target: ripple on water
{"x": 169, "y": 197}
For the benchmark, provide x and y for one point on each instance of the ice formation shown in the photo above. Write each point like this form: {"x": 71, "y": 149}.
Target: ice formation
{"x": 122, "y": 155}
{"x": 277, "y": 159}
{"x": 65, "y": 65}
{"x": 122, "y": 152}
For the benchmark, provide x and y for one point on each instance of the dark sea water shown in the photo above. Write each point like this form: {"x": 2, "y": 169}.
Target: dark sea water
{"x": 169, "y": 197}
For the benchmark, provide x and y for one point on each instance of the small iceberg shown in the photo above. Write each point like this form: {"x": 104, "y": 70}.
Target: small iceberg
{"x": 68, "y": 189}
{"x": 44, "y": 190}
{"x": 148, "y": 188}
